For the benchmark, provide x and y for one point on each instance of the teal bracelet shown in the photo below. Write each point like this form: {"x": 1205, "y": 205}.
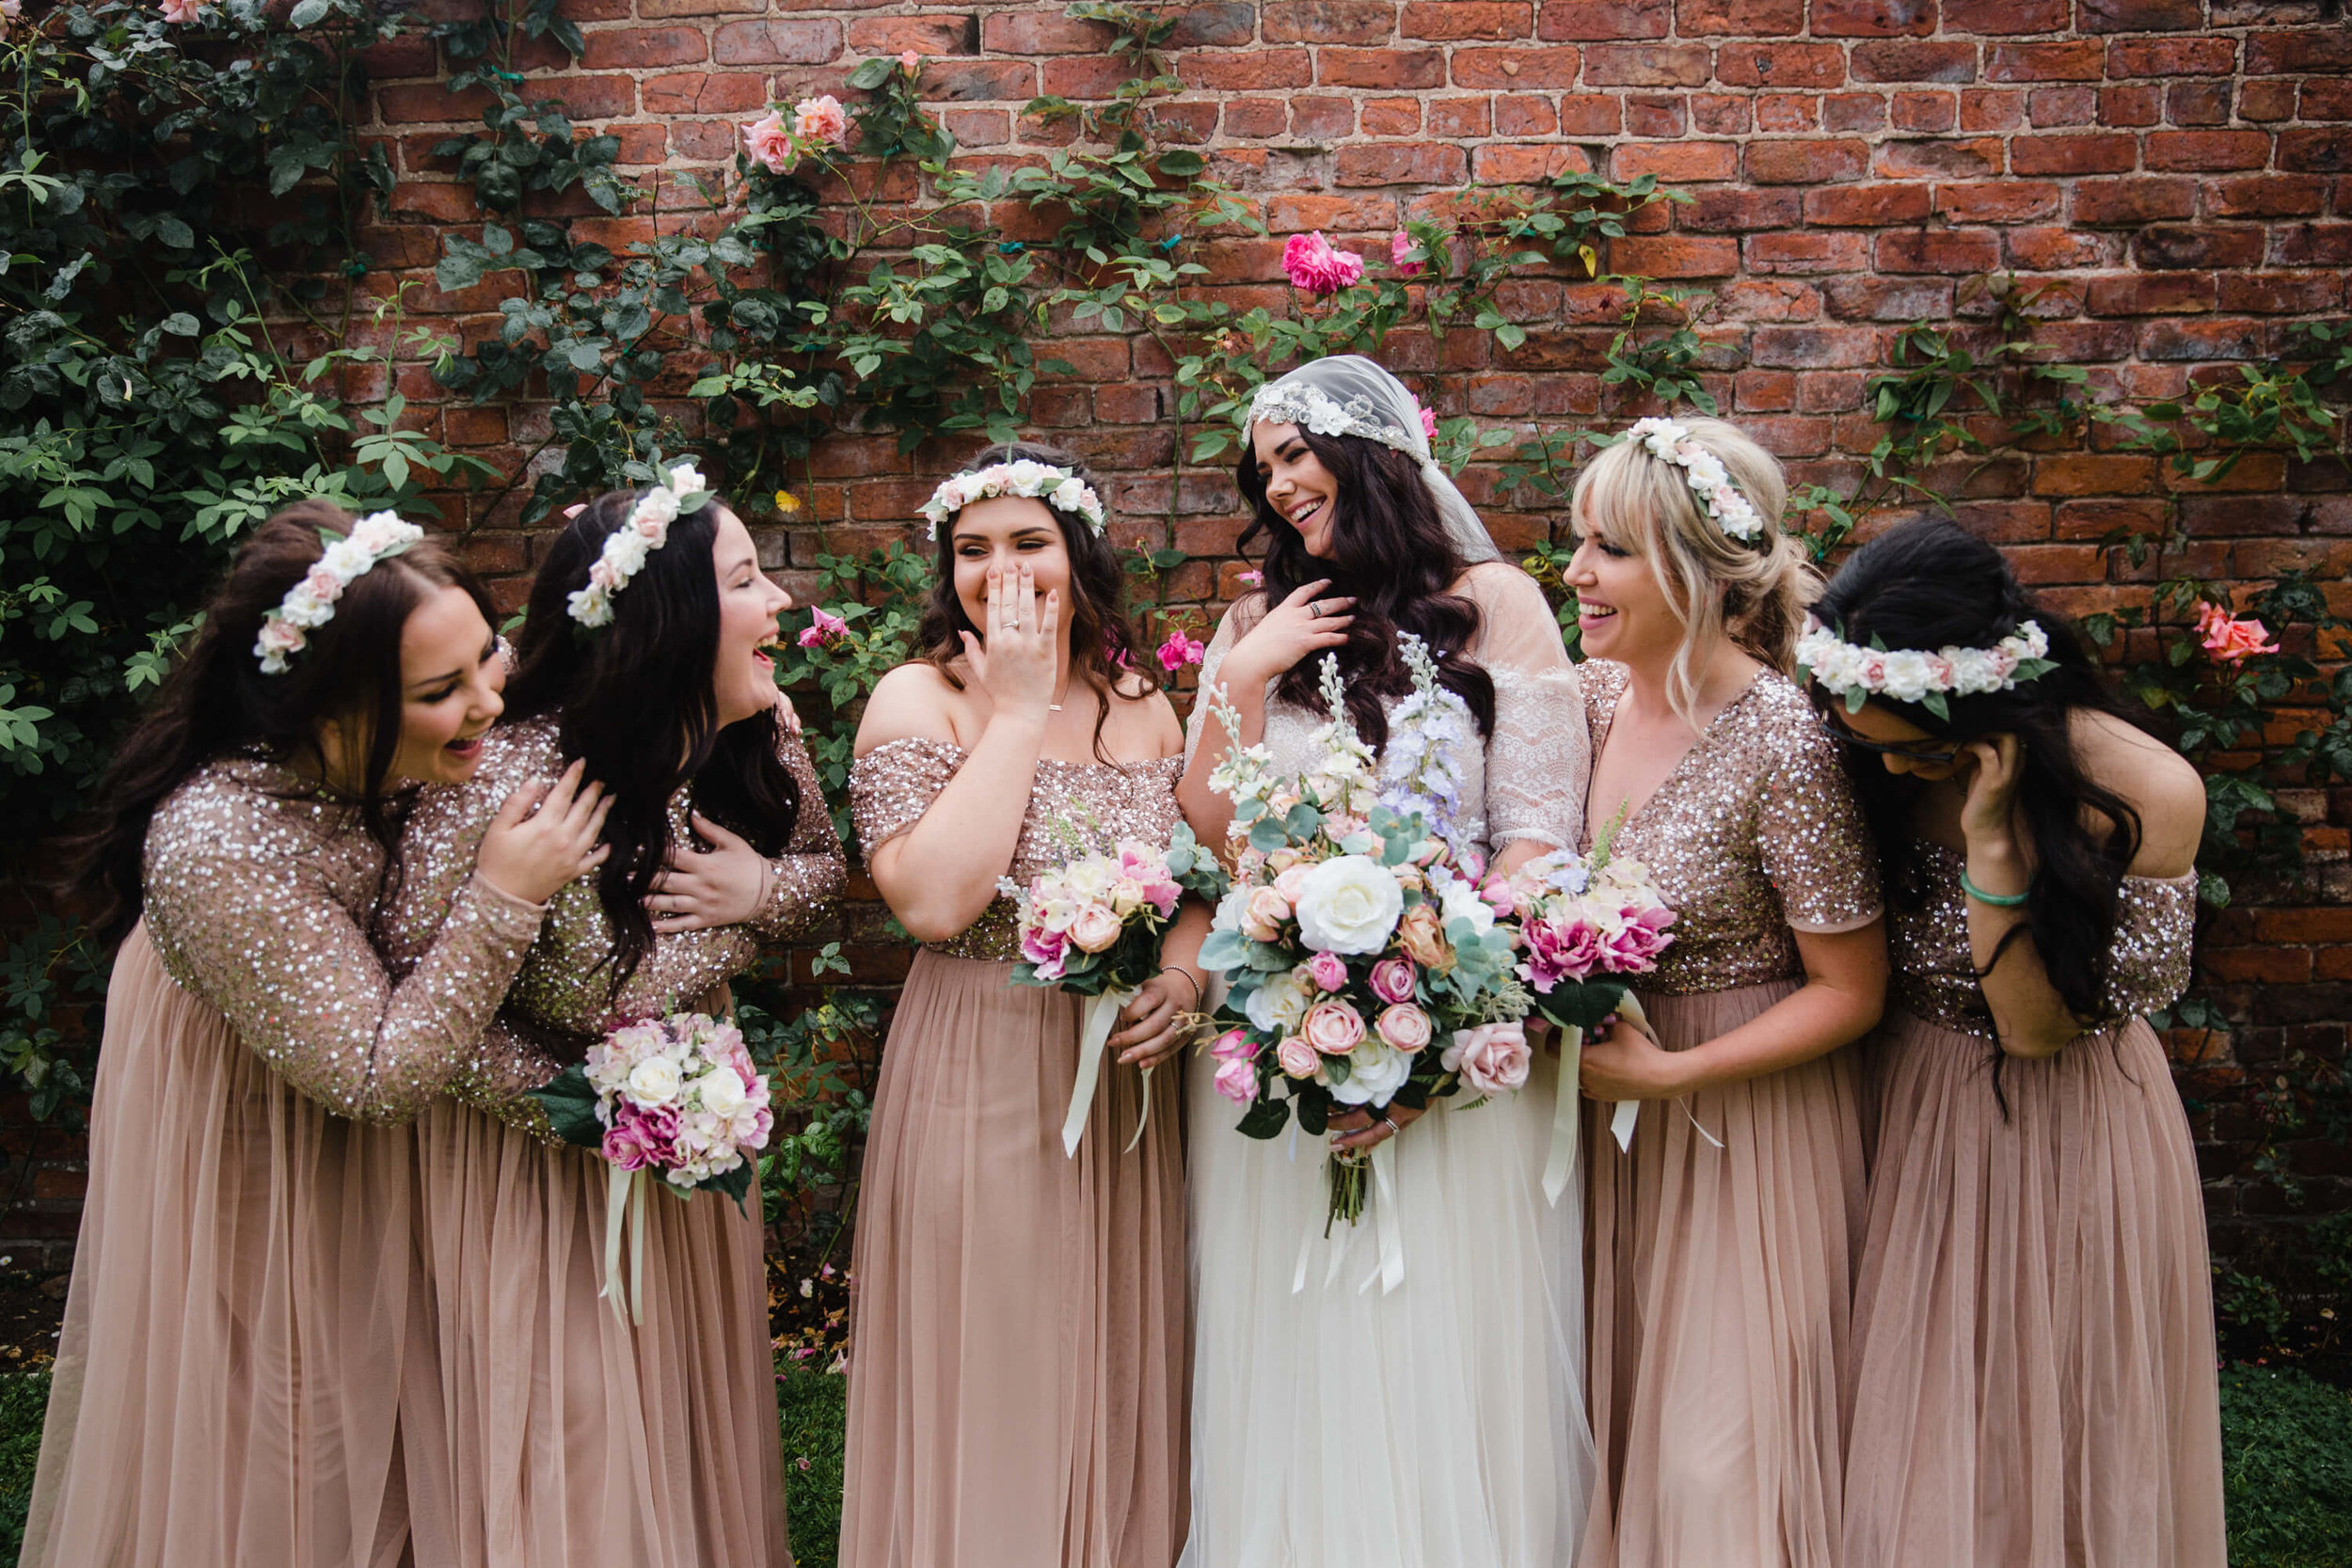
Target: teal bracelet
{"x": 1999, "y": 901}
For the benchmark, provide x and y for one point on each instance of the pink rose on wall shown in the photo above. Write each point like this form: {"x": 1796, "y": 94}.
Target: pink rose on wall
{"x": 1181, "y": 650}
{"x": 910, "y": 62}
{"x": 1429, "y": 424}
{"x": 768, "y": 144}
{"x": 2229, "y": 640}
{"x": 1401, "y": 252}
{"x": 823, "y": 629}
{"x": 1314, "y": 265}
{"x": 820, "y": 119}
{"x": 182, "y": 11}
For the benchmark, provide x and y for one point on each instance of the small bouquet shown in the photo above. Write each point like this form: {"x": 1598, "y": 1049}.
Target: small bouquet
{"x": 1585, "y": 923}
{"x": 1365, "y": 966}
{"x": 1093, "y": 925}
{"x": 676, "y": 1098}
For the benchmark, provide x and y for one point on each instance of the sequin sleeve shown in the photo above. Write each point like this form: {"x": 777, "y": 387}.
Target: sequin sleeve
{"x": 1815, "y": 849}
{"x": 2147, "y": 963}
{"x": 1539, "y": 756}
{"x": 895, "y": 783}
{"x": 246, "y": 915}
{"x": 804, "y": 882}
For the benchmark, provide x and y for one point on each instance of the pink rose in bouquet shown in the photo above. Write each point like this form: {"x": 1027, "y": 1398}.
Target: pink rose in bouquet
{"x": 1327, "y": 969}
{"x": 1492, "y": 1058}
{"x": 1333, "y": 1028}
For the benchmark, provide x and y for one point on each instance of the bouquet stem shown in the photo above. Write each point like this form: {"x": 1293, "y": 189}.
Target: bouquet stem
{"x": 1348, "y": 1175}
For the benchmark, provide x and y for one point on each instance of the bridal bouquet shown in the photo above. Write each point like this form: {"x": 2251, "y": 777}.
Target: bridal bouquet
{"x": 1093, "y": 925}
{"x": 674, "y": 1098}
{"x": 1365, "y": 965}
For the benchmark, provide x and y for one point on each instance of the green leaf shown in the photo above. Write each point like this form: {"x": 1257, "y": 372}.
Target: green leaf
{"x": 1266, "y": 1119}
{"x": 571, "y": 1104}
{"x": 309, "y": 14}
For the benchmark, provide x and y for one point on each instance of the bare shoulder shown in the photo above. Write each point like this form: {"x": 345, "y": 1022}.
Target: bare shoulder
{"x": 913, "y": 701}
{"x": 2161, "y": 784}
{"x": 1156, "y": 719}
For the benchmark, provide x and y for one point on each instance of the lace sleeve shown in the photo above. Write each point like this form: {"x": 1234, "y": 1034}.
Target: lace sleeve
{"x": 804, "y": 880}
{"x": 1229, "y": 628}
{"x": 1539, "y": 756}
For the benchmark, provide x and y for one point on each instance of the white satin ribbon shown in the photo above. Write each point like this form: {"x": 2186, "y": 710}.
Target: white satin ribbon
{"x": 1094, "y": 1028}
{"x": 1143, "y": 1117}
{"x": 621, "y": 1187}
{"x": 1388, "y": 1226}
{"x": 1627, "y": 1112}
{"x": 1560, "y": 1163}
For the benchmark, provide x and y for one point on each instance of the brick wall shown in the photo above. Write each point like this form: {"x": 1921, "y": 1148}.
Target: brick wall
{"x": 2182, "y": 169}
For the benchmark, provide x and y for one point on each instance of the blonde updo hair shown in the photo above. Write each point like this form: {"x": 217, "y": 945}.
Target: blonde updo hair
{"x": 1754, "y": 590}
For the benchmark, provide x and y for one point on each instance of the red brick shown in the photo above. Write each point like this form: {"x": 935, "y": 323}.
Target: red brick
{"x": 2266, "y": 196}
{"x": 1726, "y": 211}
{"x": 1867, "y": 206}
{"x": 1321, "y": 118}
{"x": 2137, "y": 294}
{"x": 702, "y": 93}
{"x": 1025, "y": 32}
{"x": 2133, "y": 201}
{"x": 979, "y": 81}
{"x": 1358, "y": 22}
{"x": 1780, "y": 65}
{"x": 1915, "y": 60}
{"x": 1399, "y": 163}
{"x": 1895, "y": 299}
{"x": 590, "y": 98}
{"x": 1813, "y": 347}
{"x": 1086, "y": 78}
{"x": 2083, "y": 60}
{"x": 1997, "y": 202}
{"x": 2208, "y": 150}
{"x": 2317, "y": 152}
{"x": 2330, "y": 99}
{"x": 661, "y": 9}
{"x": 2267, "y": 99}
{"x": 1740, "y": 19}
{"x": 2281, "y": 293}
{"x": 771, "y": 42}
{"x": 2087, "y": 155}
{"x": 1257, "y": 117}
{"x": 1807, "y": 163}
{"x": 1523, "y": 69}
{"x": 1600, "y": 21}
{"x": 1525, "y": 115}
{"x": 393, "y": 59}
{"x": 2084, "y": 473}
{"x": 1852, "y": 111}
{"x": 1675, "y": 163}
{"x": 2197, "y": 56}
{"x": 1788, "y": 111}
{"x": 1954, "y": 251}
{"x": 1396, "y": 70}
{"x": 2050, "y": 107}
{"x": 2175, "y": 248}
{"x": 2315, "y": 244}
{"x": 1590, "y": 114}
{"x": 2130, "y": 105}
{"x": 1646, "y": 65}
{"x": 1213, "y": 24}
{"x": 2258, "y": 965}
{"x": 1251, "y": 71}
{"x": 1451, "y": 21}
{"x": 2054, "y": 250}
{"x": 1505, "y": 165}
{"x": 1990, "y": 109}
{"x": 1391, "y": 116}
{"x": 981, "y": 127}
{"x": 1657, "y": 117}
{"x": 2320, "y": 51}
{"x": 1872, "y": 19}
{"x": 1806, "y": 252}
{"x": 429, "y": 104}
{"x": 2004, "y": 18}
{"x": 1675, "y": 256}
{"x": 1973, "y": 158}
{"x": 1925, "y": 111}
{"x": 2140, "y": 16}
{"x": 928, "y": 36}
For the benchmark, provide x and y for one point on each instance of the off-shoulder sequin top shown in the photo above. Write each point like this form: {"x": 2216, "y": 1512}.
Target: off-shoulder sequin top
{"x": 2147, "y": 963}
{"x": 563, "y": 997}
{"x": 1753, "y": 836}
{"x": 895, "y": 783}
{"x": 258, "y": 898}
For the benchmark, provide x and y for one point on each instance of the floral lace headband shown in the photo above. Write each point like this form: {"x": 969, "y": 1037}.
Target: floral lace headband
{"x": 1058, "y": 488}
{"x": 1704, "y": 472}
{"x": 1857, "y": 674}
{"x": 1310, "y": 408}
{"x": 311, "y": 603}
{"x": 626, "y": 548}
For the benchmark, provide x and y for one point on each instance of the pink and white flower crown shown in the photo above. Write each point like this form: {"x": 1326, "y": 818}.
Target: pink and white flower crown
{"x": 1057, "y": 487}
{"x": 1856, "y": 674}
{"x": 311, "y": 603}
{"x": 681, "y": 490}
{"x": 1704, "y": 472}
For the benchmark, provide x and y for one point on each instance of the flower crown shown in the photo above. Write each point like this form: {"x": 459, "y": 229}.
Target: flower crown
{"x": 1704, "y": 472}
{"x": 1910, "y": 676}
{"x": 311, "y": 603}
{"x": 626, "y": 548}
{"x": 1310, "y": 408}
{"x": 1058, "y": 488}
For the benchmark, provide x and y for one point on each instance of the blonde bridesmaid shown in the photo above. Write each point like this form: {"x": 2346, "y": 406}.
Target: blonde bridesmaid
{"x": 1018, "y": 1372}
{"x": 2034, "y": 1379}
{"x": 1721, "y": 1241}
{"x": 227, "y": 1388}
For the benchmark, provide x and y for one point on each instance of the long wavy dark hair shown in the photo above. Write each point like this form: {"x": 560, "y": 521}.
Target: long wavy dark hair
{"x": 218, "y": 703}
{"x": 637, "y": 699}
{"x": 1102, "y": 639}
{"x": 1391, "y": 551}
{"x": 1929, "y": 584}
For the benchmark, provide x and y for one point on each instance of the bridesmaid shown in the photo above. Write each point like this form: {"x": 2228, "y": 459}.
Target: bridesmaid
{"x": 1721, "y": 1243}
{"x": 550, "y": 1433}
{"x": 1017, "y": 1388}
{"x": 2034, "y": 1381}
{"x": 228, "y": 1377}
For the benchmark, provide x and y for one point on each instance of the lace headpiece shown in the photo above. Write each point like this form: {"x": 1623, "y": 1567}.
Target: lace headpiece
{"x": 1058, "y": 488}
{"x": 311, "y": 603}
{"x": 1704, "y": 474}
{"x": 681, "y": 490}
{"x": 1856, "y": 674}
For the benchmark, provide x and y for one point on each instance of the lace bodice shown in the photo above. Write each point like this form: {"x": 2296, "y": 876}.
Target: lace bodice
{"x": 1529, "y": 782}
{"x": 1092, "y": 803}
{"x": 2147, "y": 963}
{"x": 1754, "y": 836}
{"x": 563, "y": 995}
{"x": 258, "y": 897}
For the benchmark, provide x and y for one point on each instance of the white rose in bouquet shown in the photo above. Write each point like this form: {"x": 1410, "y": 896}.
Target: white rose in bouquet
{"x": 1278, "y": 1006}
{"x": 654, "y": 1083}
{"x": 722, "y": 1093}
{"x": 1348, "y": 905}
{"x": 1375, "y": 1072}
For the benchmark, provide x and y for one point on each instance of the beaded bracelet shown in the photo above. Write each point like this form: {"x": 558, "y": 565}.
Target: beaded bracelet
{"x": 1997, "y": 900}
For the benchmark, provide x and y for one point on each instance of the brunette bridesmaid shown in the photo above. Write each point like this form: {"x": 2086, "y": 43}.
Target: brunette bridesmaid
{"x": 228, "y": 1379}
{"x": 1720, "y": 1244}
{"x": 2034, "y": 1379}
{"x": 551, "y": 1433}
{"x": 1017, "y": 1381}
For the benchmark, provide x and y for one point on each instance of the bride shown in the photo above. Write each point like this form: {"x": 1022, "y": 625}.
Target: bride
{"x": 1335, "y": 1420}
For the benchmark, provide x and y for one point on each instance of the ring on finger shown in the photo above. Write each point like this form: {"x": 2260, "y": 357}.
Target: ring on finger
{"x": 1391, "y": 1126}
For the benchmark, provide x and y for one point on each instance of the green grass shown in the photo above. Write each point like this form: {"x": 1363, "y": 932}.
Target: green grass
{"x": 2288, "y": 1438}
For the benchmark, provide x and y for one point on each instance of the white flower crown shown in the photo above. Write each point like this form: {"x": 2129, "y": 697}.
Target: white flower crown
{"x": 626, "y": 548}
{"x": 1058, "y": 488}
{"x": 311, "y": 603}
{"x": 1310, "y": 408}
{"x": 1857, "y": 674}
{"x": 1704, "y": 472}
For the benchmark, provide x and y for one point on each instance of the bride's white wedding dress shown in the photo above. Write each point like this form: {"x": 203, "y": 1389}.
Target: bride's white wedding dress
{"x": 1440, "y": 1424}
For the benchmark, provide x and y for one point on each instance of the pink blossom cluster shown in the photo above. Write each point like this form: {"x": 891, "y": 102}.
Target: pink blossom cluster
{"x": 1180, "y": 650}
{"x": 678, "y": 1097}
{"x": 776, "y": 144}
{"x": 1314, "y": 265}
{"x": 178, "y": 11}
{"x": 823, "y": 629}
{"x": 1076, "y": 912}
{"x": 2229, "y": 639}
{"x": 1577, "y": 919}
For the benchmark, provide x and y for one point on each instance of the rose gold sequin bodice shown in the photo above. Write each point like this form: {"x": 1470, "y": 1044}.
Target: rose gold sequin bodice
{"x": 1756, "y": 831}
{"x": 2147, "y": 963}
{"x": 258, "y": 897}
{"x": 1074, "y": 808}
